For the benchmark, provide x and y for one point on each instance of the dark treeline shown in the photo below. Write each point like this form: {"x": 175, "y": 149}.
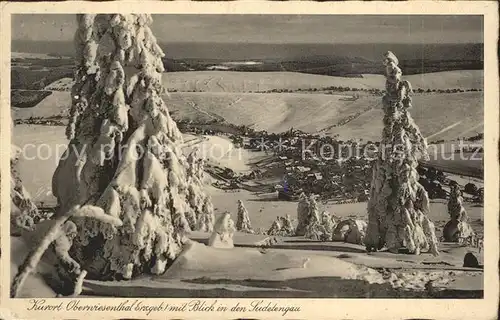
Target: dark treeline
{"x": 329, "y": 67}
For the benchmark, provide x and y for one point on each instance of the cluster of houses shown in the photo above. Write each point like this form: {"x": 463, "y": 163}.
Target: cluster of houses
{"x": 329, "y": 179}
{"x": 329, "y": 167}
{"x": 336, "y": 172}
{"x": 52, "y": 121}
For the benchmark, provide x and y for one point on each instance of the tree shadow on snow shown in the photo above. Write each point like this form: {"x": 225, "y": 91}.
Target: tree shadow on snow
{"x": 317, "y": 246}
{"x": 312, "y": 287}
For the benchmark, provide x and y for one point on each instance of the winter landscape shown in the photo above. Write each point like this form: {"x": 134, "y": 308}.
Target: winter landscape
{"x": 299, "y": 156}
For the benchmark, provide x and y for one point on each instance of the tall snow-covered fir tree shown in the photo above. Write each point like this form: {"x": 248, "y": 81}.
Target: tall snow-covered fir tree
{"x": 399, "y": 206}
{"x": 124, "y": 154}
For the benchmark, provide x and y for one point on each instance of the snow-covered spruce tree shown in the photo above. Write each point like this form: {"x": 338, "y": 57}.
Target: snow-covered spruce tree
{"x": 243, "y": 222}
{"x": 458, "y": 228}
{"x": 23, "y": 211}
{"x": 201, "y": 215}
{"x": 303, "y": 208}
{"x": 282, "y": 227}
{"x": 327, "y": 226}
{"x": 398, "y": 207}
{"x": 24, "y": 214}
{"x": 313, "y": 229}
{"x": 276, "y": 227}
{"x": 287, "y": 226}
{"x": 318, "y": 227}
{"x": 124, "y": 153}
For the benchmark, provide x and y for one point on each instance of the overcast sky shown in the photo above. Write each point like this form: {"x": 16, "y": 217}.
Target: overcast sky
{"x": 276, "y": 28}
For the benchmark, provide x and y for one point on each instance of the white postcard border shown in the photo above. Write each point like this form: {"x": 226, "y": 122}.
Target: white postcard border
{"x": 310, "y": 308}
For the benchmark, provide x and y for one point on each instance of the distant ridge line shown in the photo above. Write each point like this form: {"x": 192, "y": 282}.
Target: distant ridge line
{"x": 288, "y": 51}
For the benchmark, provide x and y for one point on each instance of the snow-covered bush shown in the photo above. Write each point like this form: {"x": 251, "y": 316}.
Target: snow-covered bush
{"x": 350, "y": 231}
{"x": 222, "y": 236}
